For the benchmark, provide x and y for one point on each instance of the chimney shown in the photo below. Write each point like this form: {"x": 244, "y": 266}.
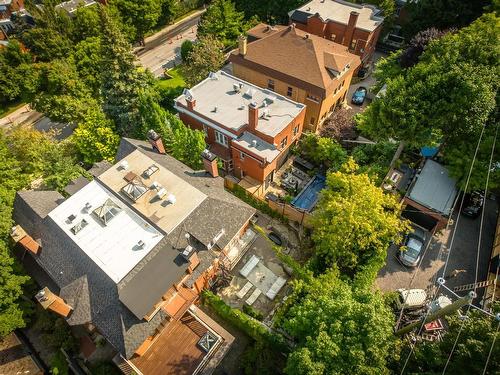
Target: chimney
{"x": 242, "y": 45}
{"x": 53, "y": 302}
{"x": 253, "y": 116}
{"x": 292, "y": 26}
{"x": 210, "y": 163}
{"x": 351, "y": 26}
{"x": 191, "y": 102}
{"x": 156, "y": 142}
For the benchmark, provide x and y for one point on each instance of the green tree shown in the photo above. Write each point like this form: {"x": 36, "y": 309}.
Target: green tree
{"x": 339, "y": 328}
{"x": 205, "y": 57}
{"x": 122, "y": 82}
{"x": 186, "y": 48}
{"x": 95, "y": 138}
{"x": 322, "y": 150}
{"x": 354, "y": 223}
{"x": 441, "y": 14}
{"x": 86, "y": 57}
{"x": 270, "y": 11}
{"x": 14, "y": 62}
{"x": 469, "y": 356}
{"x": 222, "y": 21}
{"x": 447, "y": 97}
{"x": 86, "y": 23}
{"x": 142, "y": 15}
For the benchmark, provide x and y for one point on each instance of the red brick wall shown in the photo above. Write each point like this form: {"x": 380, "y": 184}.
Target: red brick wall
{"x": 13, "y": 7}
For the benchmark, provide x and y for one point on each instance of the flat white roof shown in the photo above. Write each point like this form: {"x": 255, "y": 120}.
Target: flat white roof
{"x": 114, "y": 246}
{"x": 340, "y": 11}
{"x": 217, "y": 100}
{"x": 254, "y": 144}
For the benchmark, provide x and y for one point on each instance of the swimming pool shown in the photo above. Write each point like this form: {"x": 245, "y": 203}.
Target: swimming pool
{"x": 307, "y": 198}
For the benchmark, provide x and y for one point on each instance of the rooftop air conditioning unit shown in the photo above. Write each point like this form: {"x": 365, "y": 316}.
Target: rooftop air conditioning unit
{"x": 156, "y": 185}
{"x": 123, "y": 165}
{"x": 213, "y": 76}
{"x": 171, "y": 199}
{"x": 161, "y": 193}
{"x": 40, "y": 296}
{"x": 236, "y": 87}
{"x": 187, "y": 251}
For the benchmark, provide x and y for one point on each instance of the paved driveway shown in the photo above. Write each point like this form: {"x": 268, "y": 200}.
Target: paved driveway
{"x": 462, "y": 257}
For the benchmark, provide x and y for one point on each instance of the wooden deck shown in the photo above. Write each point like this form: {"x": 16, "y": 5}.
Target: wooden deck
{"x": 175, "y": 351}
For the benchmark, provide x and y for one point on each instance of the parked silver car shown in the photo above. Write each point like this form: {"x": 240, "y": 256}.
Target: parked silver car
{"x": 413, "y": 247}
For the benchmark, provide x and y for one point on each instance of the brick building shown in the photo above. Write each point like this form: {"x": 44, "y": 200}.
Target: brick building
{"x": 352, "y": 25}
{"x": 7, "y": 8}
{"x": 301, "y": 66}
{"x": 249, "y": 128}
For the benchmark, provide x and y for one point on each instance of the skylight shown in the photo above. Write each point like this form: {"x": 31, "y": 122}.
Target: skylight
{"x": 107, "y": 211}
{"x": 135, "y": 189}
{"x": 208, "y": 341}
{"x": 78, "y": 227}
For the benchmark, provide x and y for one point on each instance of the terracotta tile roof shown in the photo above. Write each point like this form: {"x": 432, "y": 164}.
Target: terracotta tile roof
{"x": 295, "y": 56}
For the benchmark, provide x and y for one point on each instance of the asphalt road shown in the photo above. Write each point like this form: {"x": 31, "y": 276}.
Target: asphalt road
{"x": 461, "y": 257}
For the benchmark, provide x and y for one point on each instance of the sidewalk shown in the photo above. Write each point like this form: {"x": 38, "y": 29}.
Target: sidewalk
{"x": 161, "y": 36}
{"x": 20, "y": 116}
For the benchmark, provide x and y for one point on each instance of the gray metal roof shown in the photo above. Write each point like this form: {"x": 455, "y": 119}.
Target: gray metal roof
{"x": 434, "y": 188}
{"x": 157, "y": 276}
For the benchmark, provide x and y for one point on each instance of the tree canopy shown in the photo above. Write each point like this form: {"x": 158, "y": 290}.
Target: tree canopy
{"x": 339, "y": 328}
{"x": 354, "y": 223}
{"x": 222, "y": 21}
{"x": 206, "y": 56}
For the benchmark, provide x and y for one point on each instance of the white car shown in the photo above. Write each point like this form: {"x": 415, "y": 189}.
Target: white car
{"x": 411, "y": 298}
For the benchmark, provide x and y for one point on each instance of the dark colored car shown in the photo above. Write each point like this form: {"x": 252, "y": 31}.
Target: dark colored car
{"x": 411, "y": 251}
{"x": 473, "y": 204}
{"x": 359, "y": 95}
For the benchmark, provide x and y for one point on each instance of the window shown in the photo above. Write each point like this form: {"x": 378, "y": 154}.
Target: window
{"x": 313, "y": 98}
{"x": 333, "y": 37}
{"x": 242, "y": 155}
{"x": 205, "y": 130}
{"x": 284, "y": 141}
{"x": 295, "y": 130}
{"x": 221, "y": 138}
{"x": 289, "y": 91}
{"x": 312, "y": 121}
{"x": 353, "y": 44}
{"x": 270, "y": 84}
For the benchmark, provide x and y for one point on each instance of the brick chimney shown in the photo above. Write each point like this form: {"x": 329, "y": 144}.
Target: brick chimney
{"x": 242, "y": 45}
{"x": 351, "y": 26}
{"x": 253, "y": 116}
{"x": 210, "y": 163}
{"x": 156, "y": 142}
{"x": 191, "y": 102}
{"x": 53, "y": 302}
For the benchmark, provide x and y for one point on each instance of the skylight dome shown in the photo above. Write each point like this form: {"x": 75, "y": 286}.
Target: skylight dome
{"x": 135, "y": 189}
{"x": 107, "y": 211}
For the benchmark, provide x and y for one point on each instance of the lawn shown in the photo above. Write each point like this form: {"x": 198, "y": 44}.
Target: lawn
{"x": 170, "y": 88}
{"x": 9, "y": 108}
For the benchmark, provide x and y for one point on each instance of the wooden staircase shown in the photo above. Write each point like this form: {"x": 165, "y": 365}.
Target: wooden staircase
{"x": 481, "y": 284}
{"x": 194, "y": 325}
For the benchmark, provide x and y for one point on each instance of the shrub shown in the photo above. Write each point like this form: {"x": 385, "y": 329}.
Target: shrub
{"x": 59, "y": 365}
{"x": 245, "y": 323}
{"x": 186, "y": 48}
{"x": 254, "y": 313}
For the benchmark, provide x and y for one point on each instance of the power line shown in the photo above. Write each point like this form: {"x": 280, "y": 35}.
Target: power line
{"x": 491, "y": 349}
{"x": 435, "y": 294}
{"x": 481, "y": 225}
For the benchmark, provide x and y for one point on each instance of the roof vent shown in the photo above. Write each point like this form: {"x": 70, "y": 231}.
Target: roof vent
{"x": 171, "y": 199}
{"x": 254, "y": 143}
{"x": 71, "y": 218}
{"x": 88, "y": 206}
{"x": 265, "y": 113}
{"x": 236, "y": 87}
{"x": 161, "y": 193}
{"x": 40, "y": 296}
{"x": 213, "y": 76}
{"x": 141, "y": 244}
{"x": 215, "y": 109}
{"x": 249, "y": 93}
{"x": 123, "y": 165}
{"x": 270, "y": 98}
{"x": 306, "y": 36}
{"x": 187, "y": 252}
{"x": 187, "y": 93}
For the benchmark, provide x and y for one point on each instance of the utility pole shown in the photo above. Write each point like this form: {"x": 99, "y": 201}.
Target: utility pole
{"x": 447, "y": 310}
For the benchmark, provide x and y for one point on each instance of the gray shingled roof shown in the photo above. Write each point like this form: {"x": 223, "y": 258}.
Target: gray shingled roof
{"x": 92, "y": 294}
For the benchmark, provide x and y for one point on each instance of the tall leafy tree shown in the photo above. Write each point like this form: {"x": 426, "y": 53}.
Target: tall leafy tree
{"x": 141, "y": 15}
{"x": 206, "y": 56}
{"x": 354, "y": 223}
{"x": 122, "y": 81}
{"x": 86, "y": 23}
{"x": 86, "y": 57}
{"x": 441, "y": 14}
{"x": 222, "y": 21}
{"x": 270, "y": 11}
{"x": 469, "y": 355}
{"x": 322, "y": 150}
{"x": 339, "y": 328}
{"x": 14, "y": 63}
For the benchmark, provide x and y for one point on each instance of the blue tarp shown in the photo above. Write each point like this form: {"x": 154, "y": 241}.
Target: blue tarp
{"x": 429, "y": 152}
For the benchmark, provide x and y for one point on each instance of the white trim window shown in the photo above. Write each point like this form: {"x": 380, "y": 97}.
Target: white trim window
{"x": 221, "y": 139}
